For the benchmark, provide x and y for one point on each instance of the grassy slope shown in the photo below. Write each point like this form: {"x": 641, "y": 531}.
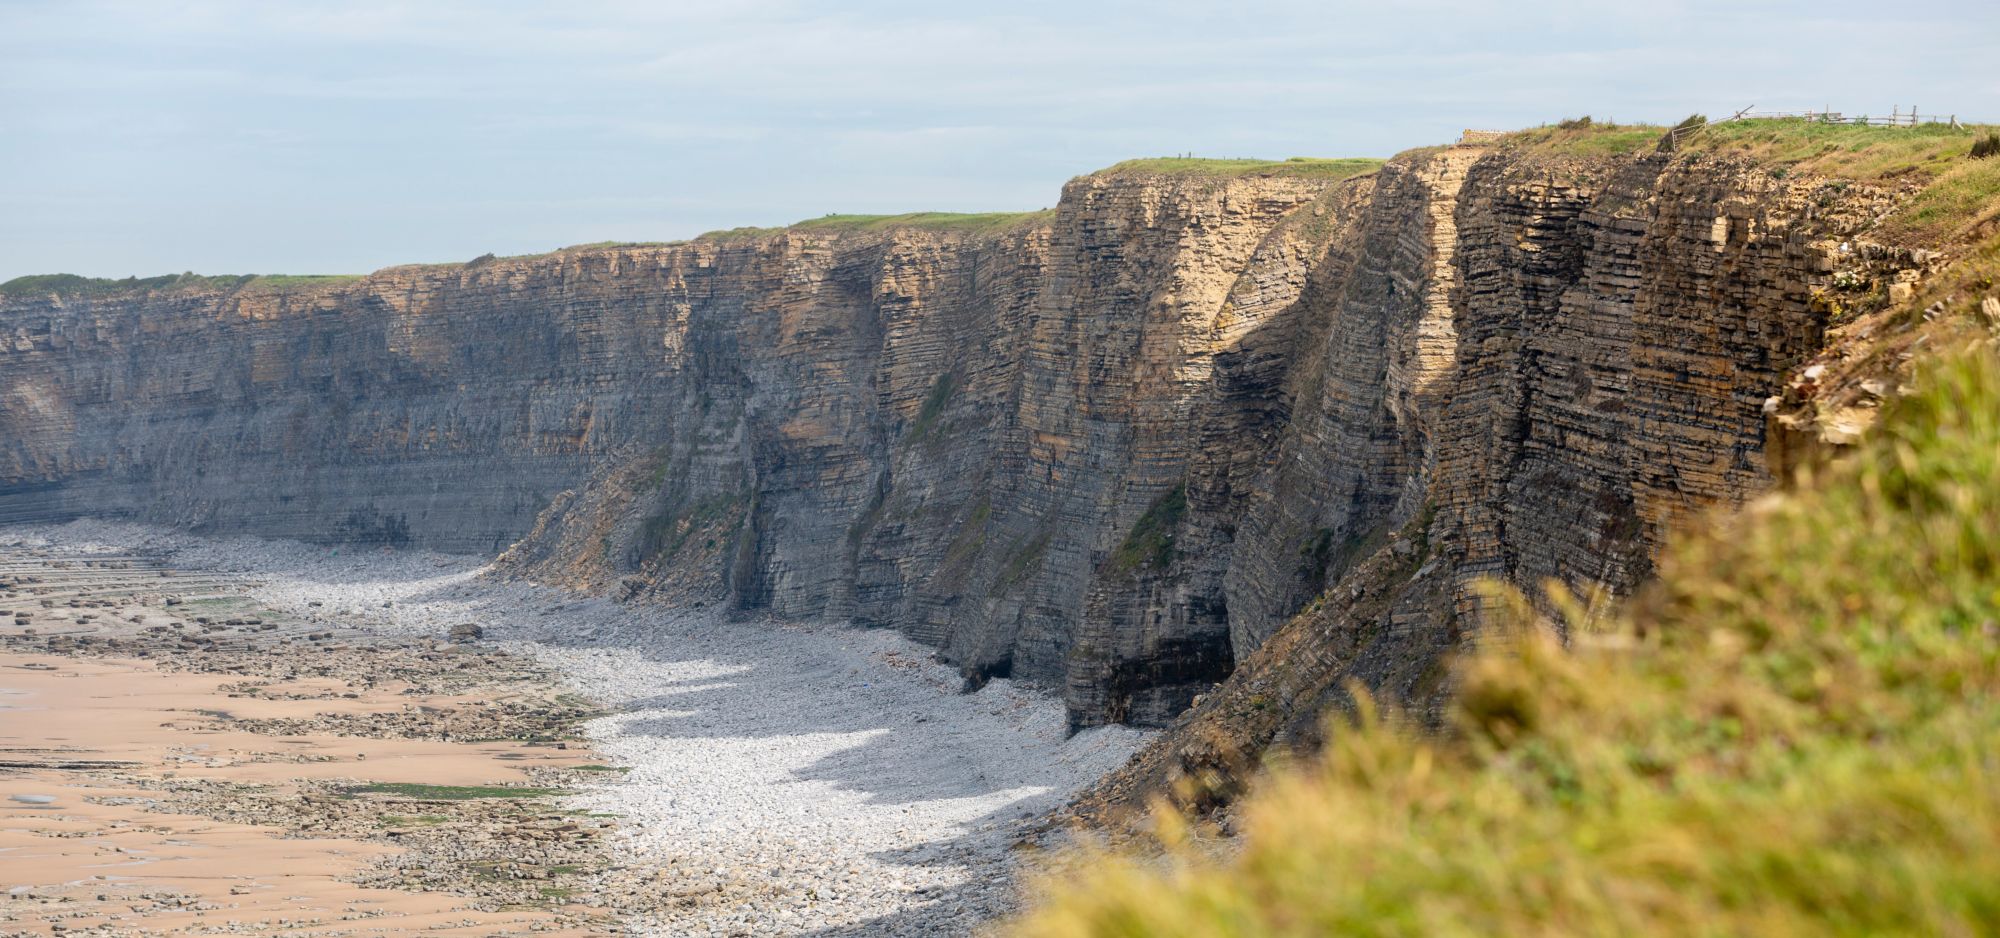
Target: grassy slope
{"x": 1793, "y": 734}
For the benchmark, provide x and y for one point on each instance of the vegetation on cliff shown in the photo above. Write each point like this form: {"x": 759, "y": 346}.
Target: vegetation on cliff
{"x": 72, "y": 285}
{"x": 1151, "y": 542}
{"x": 1312, "y": 167}
{"x": 927, "y": 221}
{"x": 1962, "y": 201}
{"x": 1791, "y": 733}
{"x": 1858, "y": 152}
{"x": 1854, "y": 152}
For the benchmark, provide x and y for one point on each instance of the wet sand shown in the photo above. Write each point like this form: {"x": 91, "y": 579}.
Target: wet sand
{"x": 799, "y": 778}
{"x": 192, "y": 802}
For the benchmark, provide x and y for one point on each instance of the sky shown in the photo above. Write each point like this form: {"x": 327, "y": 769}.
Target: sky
{"x": 140, "y": 138}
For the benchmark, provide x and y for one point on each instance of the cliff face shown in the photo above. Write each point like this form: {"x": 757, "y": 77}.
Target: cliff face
{"x": 1606, "y": 336}
{"x": 1187, "y": 426}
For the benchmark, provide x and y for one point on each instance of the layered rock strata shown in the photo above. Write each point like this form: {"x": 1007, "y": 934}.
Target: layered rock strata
{"x": 1267, "y": 427}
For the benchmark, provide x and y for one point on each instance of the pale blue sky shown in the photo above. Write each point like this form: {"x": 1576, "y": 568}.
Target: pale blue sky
{"x": 307, "y": 137}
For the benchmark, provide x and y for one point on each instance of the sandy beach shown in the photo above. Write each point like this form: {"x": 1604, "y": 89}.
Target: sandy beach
{"x": 715, "y": 777}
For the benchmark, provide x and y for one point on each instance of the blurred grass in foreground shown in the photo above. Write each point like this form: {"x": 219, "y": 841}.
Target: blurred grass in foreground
{"x": 1796, "y": 731}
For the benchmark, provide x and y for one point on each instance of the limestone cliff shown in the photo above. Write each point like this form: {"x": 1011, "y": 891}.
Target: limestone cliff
{"x": 1265, "y": 425}
{"x": 1602, "y": 336}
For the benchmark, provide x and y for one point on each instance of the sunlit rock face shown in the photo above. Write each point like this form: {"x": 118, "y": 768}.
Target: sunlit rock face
{"x": 1112, "y": 449}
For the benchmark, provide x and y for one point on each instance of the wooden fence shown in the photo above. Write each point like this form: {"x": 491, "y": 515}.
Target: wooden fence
{"x": 1897, "y": 118}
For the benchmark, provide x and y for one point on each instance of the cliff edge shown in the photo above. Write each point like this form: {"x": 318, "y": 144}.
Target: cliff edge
{"x": 1256, "y": 425}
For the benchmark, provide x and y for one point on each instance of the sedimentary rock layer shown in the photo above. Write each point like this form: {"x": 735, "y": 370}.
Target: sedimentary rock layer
{"x": 1113, "y": 448}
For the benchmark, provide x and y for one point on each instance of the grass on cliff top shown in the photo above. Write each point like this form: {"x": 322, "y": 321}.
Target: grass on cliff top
{"x": 1794, "y": 733}
{"x": 969, "y": 222}
{"x": 1961, "y": 195}
{"x": 72, "y": 285}
{"x": 927, "y": 221}
{"x": 1846, "y": 151}
{"x": 1310, "y": 167}
{"x": 1586, "y": 137}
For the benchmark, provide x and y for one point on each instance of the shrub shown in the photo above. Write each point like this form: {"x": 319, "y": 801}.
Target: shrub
{"x": 1986, "y": 146}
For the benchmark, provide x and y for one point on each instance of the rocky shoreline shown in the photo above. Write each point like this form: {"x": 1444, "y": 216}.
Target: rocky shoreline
{"x": 747, "y": 777}
{"x": 506, "y": 858}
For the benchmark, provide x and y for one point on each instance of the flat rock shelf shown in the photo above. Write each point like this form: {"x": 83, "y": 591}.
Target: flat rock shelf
{"x": 720, "y": 777}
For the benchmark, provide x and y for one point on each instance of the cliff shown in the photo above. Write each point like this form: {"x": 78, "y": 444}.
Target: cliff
{"x": 1258, "y": 422}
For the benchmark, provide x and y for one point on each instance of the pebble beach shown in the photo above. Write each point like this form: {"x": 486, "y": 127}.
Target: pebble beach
{"x": 770, "y": 778}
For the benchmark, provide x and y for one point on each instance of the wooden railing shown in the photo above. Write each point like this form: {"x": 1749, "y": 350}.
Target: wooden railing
{"x": 1897, "y": 118}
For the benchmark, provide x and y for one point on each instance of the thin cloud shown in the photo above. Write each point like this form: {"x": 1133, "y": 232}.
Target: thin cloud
{"x": 233, "y": 135}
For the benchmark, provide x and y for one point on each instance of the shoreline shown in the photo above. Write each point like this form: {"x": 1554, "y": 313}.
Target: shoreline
{"x": 776, "y": 778}
{"x": 181, "y": 760}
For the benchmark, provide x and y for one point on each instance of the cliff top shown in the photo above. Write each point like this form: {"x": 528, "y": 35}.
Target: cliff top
{"x": 972, "y": 222}
{"x": 75, "y": 286}
{"x": 1849, "y": 151}
{"x": 1312, "y": 167}
{"x": 1956, "y": 188}
{"x": 1957, "y": 192}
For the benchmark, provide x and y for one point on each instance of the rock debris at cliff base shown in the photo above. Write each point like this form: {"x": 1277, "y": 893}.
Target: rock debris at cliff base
{"x": 797, "y": 779}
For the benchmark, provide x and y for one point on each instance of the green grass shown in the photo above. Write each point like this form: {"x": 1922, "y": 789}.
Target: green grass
{"x": 1151, "y": 541}
{"x": 450, "y": 792}
{"x": 1309, "y": 167}
{"x": 1847, "y": 151}
{"x": 1597, "y": 138}
{"x": 974, "y": 222}
{"x": 72, "y": 285}
{"x": 965, "y": 222}
{"x": 1962, "y": 201}
{"x": 1793, "y": 733}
